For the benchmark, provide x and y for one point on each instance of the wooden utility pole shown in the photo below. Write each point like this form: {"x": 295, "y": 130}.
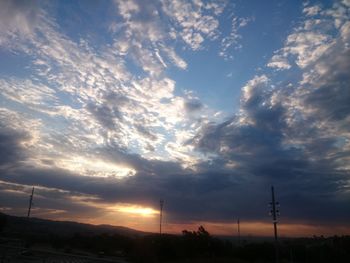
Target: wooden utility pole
{"x": 275, "y": 213}
{"x": 161, "y": 202}
{"x": 30, "y": 202}
{"x": 238, "y": 231}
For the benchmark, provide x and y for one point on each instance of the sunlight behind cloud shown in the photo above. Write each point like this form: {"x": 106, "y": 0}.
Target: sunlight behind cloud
{"x": 95, "y": 167}
{"x": 110, "y": 107}
{"x": 135, "y": 209}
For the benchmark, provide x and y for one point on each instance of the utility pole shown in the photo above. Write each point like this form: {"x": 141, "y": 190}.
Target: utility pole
{"x": 275, "y": 213}
{"x": 161, "y": 202}
{"x": 30, "y": 202}
{"x": 238, "y": 231}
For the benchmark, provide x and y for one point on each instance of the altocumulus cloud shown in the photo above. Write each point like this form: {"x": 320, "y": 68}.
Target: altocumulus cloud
{"x": 85, "y": 104}
{"x": 294, "y": 134}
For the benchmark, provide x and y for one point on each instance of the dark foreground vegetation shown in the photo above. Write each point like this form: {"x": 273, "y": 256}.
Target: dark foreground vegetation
{"x": 190, "y": 246}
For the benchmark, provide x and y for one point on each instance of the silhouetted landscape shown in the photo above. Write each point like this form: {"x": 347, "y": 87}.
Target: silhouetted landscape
{"x": 42, "y": 239}
{"x": 141, "y": 131}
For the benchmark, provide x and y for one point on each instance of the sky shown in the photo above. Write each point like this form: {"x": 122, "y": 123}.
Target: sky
{"x": 106, "y": 107}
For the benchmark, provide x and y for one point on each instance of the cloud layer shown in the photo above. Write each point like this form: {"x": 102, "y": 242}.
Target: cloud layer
{"x": 97, "y": 124}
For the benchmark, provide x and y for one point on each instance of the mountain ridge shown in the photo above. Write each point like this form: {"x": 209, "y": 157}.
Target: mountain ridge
{"x": 11, "y": 223}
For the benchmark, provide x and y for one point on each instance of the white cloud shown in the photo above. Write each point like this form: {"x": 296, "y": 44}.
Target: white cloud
{"x": 176, "y": 59}
{"x": 312, "y": 10}
{"x": 306, "y": 46}
{"x": 18, "y": 19}
{"x": 232, "y": 40}
{"x": 192, "y": 20}
{"x": 144, "y": 37}
{"x": 279, "y": 62}
{"x": 127, "y": 8}
{"x": 89, "y": 99}
{"x": 345, "y": 33}
{"x": 255, "y": 83}
{"x": 316, "y": 107}
{"x": 27, "y": 92}
{"x": 312, "y": 38}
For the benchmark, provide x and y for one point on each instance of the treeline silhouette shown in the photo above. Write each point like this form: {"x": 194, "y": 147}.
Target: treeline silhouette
{"x": 190, "y": 246}
{"x": 200, "y": 246}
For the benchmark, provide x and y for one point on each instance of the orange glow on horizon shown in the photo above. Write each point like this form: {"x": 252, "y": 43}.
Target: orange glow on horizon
{"x": 135, "y": 209}
{"x": 147, "y": 220}
{"x": 261, "y": 229}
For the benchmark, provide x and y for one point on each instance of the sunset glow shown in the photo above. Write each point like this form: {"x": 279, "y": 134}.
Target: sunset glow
{"x": 108, "y": 107}
{"x": 135, "y": 209}
{"x": 93, "y": 167}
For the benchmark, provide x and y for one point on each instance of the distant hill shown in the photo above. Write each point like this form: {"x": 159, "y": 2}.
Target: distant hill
{"x": 15, "y": 224}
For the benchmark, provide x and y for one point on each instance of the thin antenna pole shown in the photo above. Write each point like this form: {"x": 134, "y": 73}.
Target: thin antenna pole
{"x": 274, "y": 213}
{"x": 161, "y": 202}
{"x": 30, "y": 202}
{"x": 239, "y": 231}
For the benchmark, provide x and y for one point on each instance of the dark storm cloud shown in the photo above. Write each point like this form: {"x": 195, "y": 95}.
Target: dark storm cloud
{"x": 212, "y": 196}
{"x": 185, "y": 194}
{"x": 47, "y": 201}
{"x": 204, "y": 196}
{"x": 260, "y": 138}
{"x": 141, "y": 188}
{"x": 11, "y": 150}
{"x": 307, "y": 181}
{"x": 310, "y": 177}
{"x": 310, "y": 181}
{"x": 183, "y": 191}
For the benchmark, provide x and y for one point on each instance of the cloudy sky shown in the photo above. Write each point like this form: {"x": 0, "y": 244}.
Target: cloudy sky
{"x": 108, "y": 106}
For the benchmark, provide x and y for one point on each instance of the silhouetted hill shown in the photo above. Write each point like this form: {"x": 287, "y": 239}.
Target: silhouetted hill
{"x": 44, "y": 238}
{"x": 15, "y": 224}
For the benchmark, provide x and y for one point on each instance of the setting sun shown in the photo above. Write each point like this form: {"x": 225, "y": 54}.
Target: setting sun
{"x": 108, "y": 107}
{"x": 135, "y": 209}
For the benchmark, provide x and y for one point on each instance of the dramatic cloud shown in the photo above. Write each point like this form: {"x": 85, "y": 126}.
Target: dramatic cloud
{"x": 294, "y": 135}
{"x": 107, "y": 118}
{"x": 10, "y": 147}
